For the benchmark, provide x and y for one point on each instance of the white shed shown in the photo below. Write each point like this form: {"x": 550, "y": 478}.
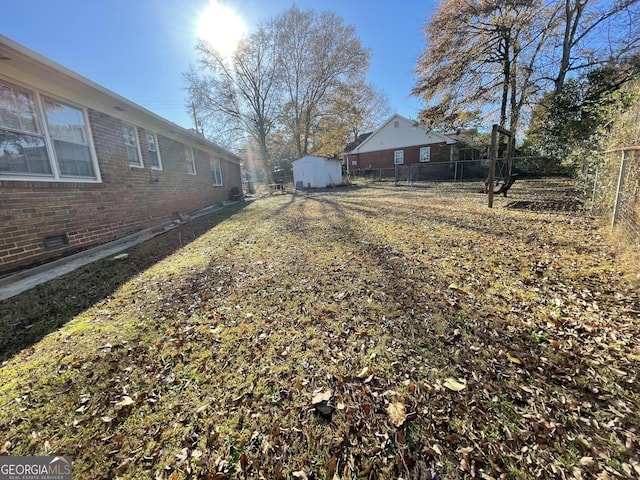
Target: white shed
{"x": 316, "y": 172}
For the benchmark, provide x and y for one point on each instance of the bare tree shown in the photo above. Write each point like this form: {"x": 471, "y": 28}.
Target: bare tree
{"x": 592, "y": 32}
{"x": 353, "y": 109}
{"x": 280, "y": 92}
{"x": 240, "y": 95}
{"x": 317, "y": 54}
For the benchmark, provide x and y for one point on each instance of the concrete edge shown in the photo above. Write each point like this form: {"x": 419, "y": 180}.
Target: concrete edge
{"x": 24, "y": 280}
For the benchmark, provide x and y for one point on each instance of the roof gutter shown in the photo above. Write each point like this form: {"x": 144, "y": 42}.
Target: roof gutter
{"x": 11, "y": 47}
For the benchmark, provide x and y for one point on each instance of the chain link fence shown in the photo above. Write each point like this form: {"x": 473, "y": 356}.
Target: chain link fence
{"x": 459, "y": 171}
{"x": 614, "y": 184}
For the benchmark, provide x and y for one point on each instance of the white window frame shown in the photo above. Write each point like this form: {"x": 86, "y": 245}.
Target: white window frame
{"x": 190, "y": 160}
{"x": 216, "y": 172}
{"x": 38, "y": 100}
{"x": 398, "y": 157}
{"x": 155, "y": 150}
{"x": 425, "y": 154}
{"x": 140, "y": 164}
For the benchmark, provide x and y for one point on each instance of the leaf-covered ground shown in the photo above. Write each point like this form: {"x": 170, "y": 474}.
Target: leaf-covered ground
{"x": 371, "y": 333}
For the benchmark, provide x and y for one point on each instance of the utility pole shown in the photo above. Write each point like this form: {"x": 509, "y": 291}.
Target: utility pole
{"x": 195, "y": 119}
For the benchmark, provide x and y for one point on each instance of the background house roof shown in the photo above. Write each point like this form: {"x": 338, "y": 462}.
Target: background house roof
{"x": 361, "y": 138}
{"x": 20, "y": 64}
{"x": 412, "y": 134}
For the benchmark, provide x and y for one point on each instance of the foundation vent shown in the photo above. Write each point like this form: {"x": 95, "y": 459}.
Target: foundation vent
{"x": 56, "y": 241}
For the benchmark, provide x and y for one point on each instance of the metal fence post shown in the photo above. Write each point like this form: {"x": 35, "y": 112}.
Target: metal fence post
{"x": 595, "y": 186}
{"x": 616, "y": 203}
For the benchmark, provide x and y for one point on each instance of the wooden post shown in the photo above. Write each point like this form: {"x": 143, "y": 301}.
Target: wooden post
{"x": 494, "y": 157}
{"x": 510, "y": 153}
{"x": 616, "y": 203}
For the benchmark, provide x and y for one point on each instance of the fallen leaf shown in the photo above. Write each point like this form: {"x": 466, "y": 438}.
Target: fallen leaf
{"x": 588, "y": 462}
{"x": 453, "y": 384}
{"x": 397, "y": 413}
{"x": 300, "y": 474}
{"x": 433, "y": 451}
{"x": 215, "y": 476}
{"x": 321, "y": 395}
{"x": 125, "y": 402}
{"x": 331, "y": 466}
{"x": 513, "y": 359}
{"x": 183, "y": 455}
{"x": 364, "y": 373}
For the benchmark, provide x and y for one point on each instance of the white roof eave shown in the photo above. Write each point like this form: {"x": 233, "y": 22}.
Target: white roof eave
{"x": 43, "y": 70}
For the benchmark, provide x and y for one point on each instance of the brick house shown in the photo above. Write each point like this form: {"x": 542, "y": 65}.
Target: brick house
{"x": 400, "y": 141}
{"x": 81, "y": 165}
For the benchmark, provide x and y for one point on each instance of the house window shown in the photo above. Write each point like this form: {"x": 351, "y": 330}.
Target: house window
{"x": 398, "y": 157}
{"x": 70, "y": 140}
{"x": 133, "y": 147}
{"x": 189, "y": 161}
{"x": 154, "y": 152}
{"x": 425, "y": 154}
{"x": 216, "y": 172}
{"x": 41, "y": 138}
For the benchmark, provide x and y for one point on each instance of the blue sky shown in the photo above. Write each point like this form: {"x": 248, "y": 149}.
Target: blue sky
{"x": 140, "y": 48}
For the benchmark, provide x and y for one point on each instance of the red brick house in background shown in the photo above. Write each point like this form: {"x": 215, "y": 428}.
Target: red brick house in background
{"x": 81, "y": 165}
{"x": 400, "y": 141}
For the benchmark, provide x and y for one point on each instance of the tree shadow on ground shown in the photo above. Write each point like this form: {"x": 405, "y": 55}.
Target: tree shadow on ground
{"x": 26, "y": 318}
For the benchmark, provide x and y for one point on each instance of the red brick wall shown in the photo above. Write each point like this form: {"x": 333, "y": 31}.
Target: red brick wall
{"x": 128, "y": 199}
{"x": 440, "y": 152}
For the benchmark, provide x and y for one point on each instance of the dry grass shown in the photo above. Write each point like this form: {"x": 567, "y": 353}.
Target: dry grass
{"x": 446, "y": 339}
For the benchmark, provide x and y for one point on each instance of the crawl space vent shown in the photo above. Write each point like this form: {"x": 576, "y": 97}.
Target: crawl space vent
{"x": 56, "y": 241}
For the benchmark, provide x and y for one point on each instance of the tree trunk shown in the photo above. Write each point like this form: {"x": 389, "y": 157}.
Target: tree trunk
{"x": 572, "y": 18}
{"x": 506, "y": 71}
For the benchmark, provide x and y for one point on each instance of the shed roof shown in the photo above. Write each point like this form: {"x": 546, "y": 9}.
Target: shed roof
{"x": 318, "y": 158}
